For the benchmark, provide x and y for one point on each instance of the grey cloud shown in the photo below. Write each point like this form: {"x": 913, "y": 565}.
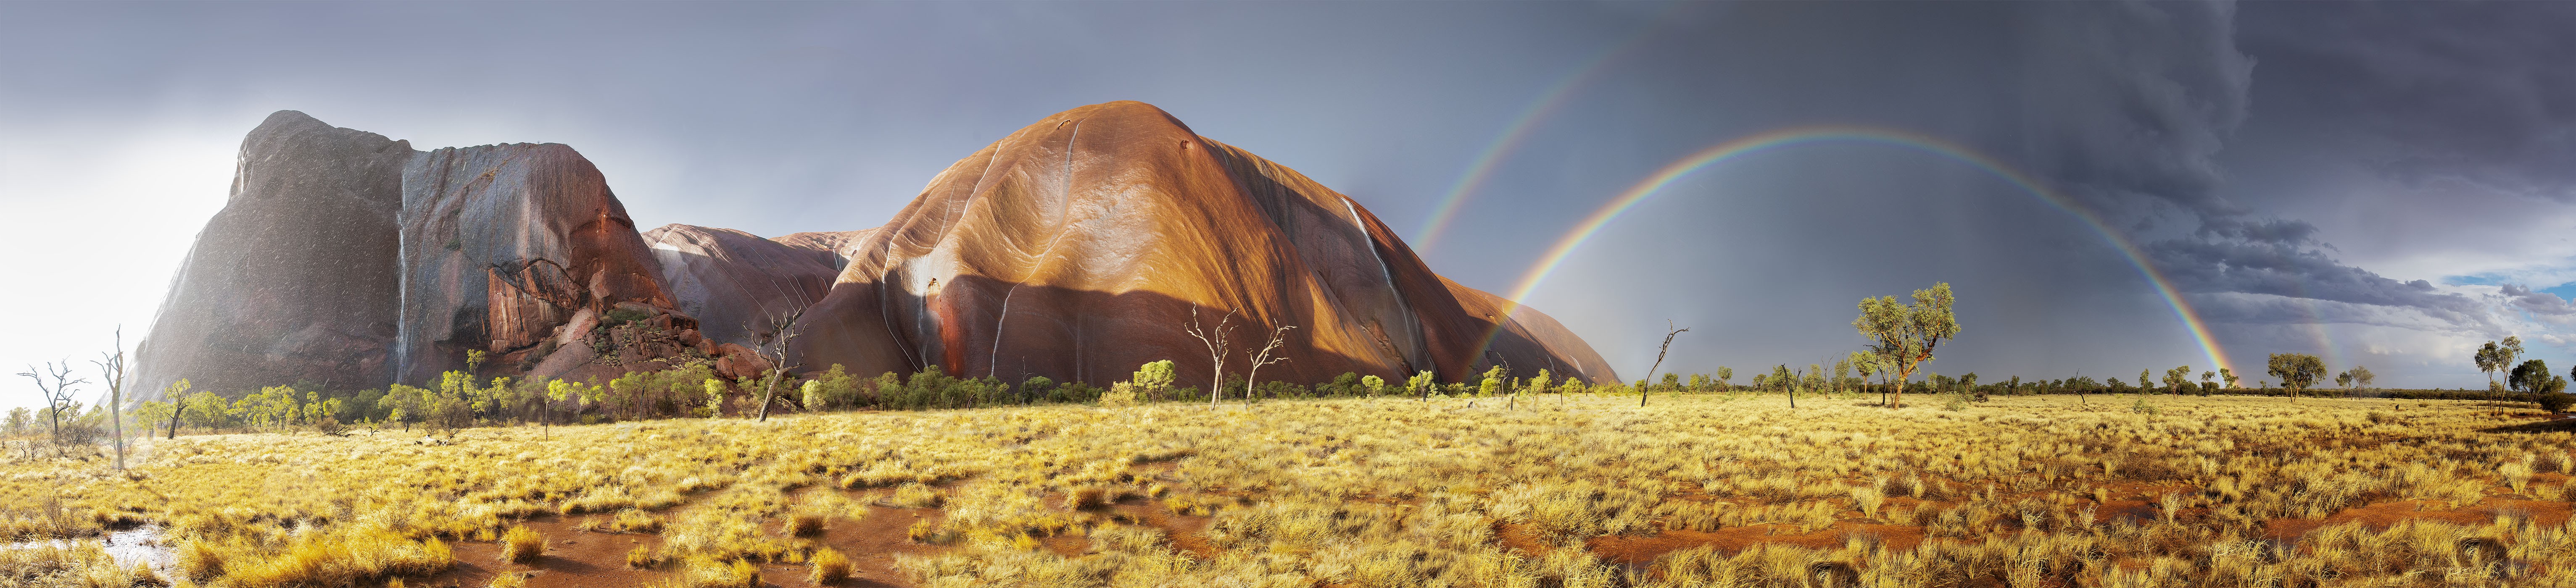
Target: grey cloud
{"x": 2130, "y": 103}
{"x": 2264, "y": 310}
{"x": 2546, "y": 305}
{"x": 2295, "y": 268}
{"x": 2479, "y": 94}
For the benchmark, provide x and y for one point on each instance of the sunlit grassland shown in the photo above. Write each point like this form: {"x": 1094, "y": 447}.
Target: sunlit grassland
{"x": 1559, "y": 490}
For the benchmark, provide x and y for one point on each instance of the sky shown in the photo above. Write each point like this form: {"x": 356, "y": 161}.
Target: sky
{"x": 2383, "y": 184}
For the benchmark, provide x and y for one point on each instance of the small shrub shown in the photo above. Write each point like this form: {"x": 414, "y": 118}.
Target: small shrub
{"x": 510, "y": 580}
{"x": 643, "y": 558}
{"x": 1119, "y": 394}
{"x": 803, "y": 524}
{"x": 2556, "y": 401}
{"x": 1082, "y": 498}
{"x": 522, "y": 545}
{"x": 830, "y": 566}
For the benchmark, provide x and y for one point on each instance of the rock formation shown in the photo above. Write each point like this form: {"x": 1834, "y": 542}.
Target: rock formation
{"x": 295, "y": 279}
{"x": 1084, "y": 245}
{"x": 1076, "y": 248}
{"x": 731, "y": 280}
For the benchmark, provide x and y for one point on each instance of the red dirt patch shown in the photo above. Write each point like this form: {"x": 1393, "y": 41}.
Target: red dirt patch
{"x": 2383, "y": 515}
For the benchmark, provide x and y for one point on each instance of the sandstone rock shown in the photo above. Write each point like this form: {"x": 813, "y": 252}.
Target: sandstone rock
{"x": 830, "y": 247}
{"x": 504, "y": 243}
{"x": 1078, "y": 248}
{"x": 295, "y": 280}
{"x": 730, "y": 280}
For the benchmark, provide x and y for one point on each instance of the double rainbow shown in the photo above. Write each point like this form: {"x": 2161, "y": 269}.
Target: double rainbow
{"x": 1782, "y": 138}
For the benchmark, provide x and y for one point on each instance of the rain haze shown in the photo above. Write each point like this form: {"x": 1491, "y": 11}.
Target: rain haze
{"x": 2109, "y": 187}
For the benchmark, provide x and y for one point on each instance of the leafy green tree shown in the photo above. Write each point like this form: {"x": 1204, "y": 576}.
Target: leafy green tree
{"x": 2229, "y": 376}
{"x": 1700, "y": 383}
{"x": 1152, "y": 378}
{"x": 2494, "y": 357}
{"x": 2361, "y": 376}
{"x": 1421, "y": 384}
{"x": 1375, "y": 385}
{"x": 2297, "y": 371}
{"x": 2530, "y": 376}
{"x": 1906, "y": 334}
{"x": 1725, "y": 377}
{"x": 2176, "y": 378}
{"x": 1494, "y": 382}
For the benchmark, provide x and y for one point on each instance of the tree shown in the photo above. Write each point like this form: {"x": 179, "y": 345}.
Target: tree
{"x": 111, "y": 366}
{"x": 58, "y": 396}
{"x": 1151, "y": 379}
{"x": 1496, "y": 381}
{"x": 1669, "y": 332}
{"x": 2496, "y": 357}
{"x": 2176, "y": 378}
{"x": 1278, "y": 337}
{"x": 2230, "y": 377}
{"x": 1421, "y": 383}
{"x": 2530, "y": 376}
{"x": 2296, "y": 370}
{"x": 1216, "y": 345}
{"x": 1907, "y": 333}
{"x": 2362, "y": 377}
{"x": 1375, "y": 385}
{"x": 772, "y": 346}
{"x": 1785, "y": 381}
{"x": 1725, "y": 377}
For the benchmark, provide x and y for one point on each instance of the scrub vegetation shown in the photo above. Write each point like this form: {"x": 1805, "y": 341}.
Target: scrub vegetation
{"x": 1562, "y": 486}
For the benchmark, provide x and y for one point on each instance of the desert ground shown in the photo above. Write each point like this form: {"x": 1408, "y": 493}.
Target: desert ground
{"x": 1561, "y": 490}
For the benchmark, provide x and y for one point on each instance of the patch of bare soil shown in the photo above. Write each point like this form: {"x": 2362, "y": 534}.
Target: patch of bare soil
{"x": 2383, "y": 515}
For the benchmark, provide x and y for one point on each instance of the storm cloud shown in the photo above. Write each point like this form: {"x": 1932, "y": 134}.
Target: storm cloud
{"x": 2380, "y": 183}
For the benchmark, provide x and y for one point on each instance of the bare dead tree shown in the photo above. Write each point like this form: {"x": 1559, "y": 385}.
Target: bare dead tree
{"x": 1277, "y": 337}
{"x": 111, "y": 365}
{"x": 773, "y": 347}
{"x": 1669, "y": 333}
{"x": 1216, "y": 346}
{"x": 58, "y": 397}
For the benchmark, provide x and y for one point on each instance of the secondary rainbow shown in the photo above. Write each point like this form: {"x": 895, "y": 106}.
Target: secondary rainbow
{"x": 1723, "y": 152}
{"x": 1538, "y": 110}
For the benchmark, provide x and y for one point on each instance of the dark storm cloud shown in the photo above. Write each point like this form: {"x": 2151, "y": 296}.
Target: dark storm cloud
{"x": 2280, "y": 261}
{"x": 2480, "y": 94}
{"x": 2129, "y": 103}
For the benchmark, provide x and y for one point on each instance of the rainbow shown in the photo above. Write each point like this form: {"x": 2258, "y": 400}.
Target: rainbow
{"x": 1723, "y": 152}
{"x": 1538, "y": 110}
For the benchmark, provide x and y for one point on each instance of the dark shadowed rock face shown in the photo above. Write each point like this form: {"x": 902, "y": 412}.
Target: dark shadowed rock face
{"x": 295, "y": 279}
{"x": 730, "y": 279}
{"x": 1079, "y": 247}
{"x": 502, "y": 245}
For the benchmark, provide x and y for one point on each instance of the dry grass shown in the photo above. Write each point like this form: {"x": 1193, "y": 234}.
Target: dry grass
{"x": 1564, "y": 491}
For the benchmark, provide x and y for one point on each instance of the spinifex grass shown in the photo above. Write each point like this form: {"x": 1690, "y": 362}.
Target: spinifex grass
{"x": 2221, "y": 491}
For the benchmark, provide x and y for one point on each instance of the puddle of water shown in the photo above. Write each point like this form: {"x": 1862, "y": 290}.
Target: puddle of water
{"x": 139, "y": 545}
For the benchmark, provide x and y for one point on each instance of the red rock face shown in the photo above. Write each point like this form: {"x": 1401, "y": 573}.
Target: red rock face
{"x": 295, "y": 279}
{"x": 1079, "y": 247}
{"x": 501, "y": 246}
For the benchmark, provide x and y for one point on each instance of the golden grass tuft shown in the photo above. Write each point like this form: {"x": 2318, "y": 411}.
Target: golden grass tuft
{"x": 643, "y": 558}
{"x": 522, "y": 545}
{"x": 510, "y": 580}
{"x": 803, "y": 524}
{"x": 830, "y": 567}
